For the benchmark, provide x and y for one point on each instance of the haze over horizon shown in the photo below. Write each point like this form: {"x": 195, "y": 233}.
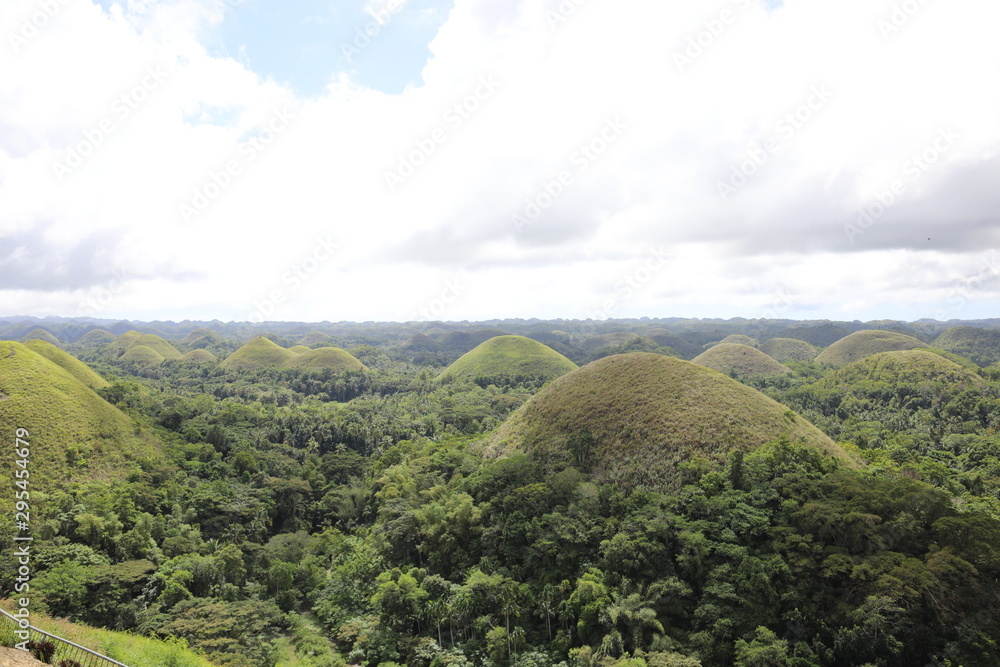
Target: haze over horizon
{"x": 457, "y": 160}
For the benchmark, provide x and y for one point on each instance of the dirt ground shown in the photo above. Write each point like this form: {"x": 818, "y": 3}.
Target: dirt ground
{"x": 11, "y": 657}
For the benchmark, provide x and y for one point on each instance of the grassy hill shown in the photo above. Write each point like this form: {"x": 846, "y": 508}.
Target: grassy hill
{"x": 142, "y": 355}
{"x": 892, "y": 369}
{"x": 71, "y": 428}
{"x": 299, "y": 349}
{"x": 980, "y": 345}
{"x": 739, "y": 360}
{"x": 129, "y": 649}
{"x": 131, "y": 339}
{"x": 608, "y": 340}
{"x": 40, "y": 334}
{"x": 740, "y": 339}
{"x": 863, "y": 344}
{"x": 506, "y": 359}
{"x": 314, "y": 338}
{"x": 97, "y": 337}
{"x": 683, "y": 347}
{"x": 259, "y": 354}
{"x": 200, "y": 338}
{"x": 635, "y": 419}
{"x": 69, "y": 363}
{"x": 783, "y": 350}
{"x": 326, "y": 357}
{"x": 199, "y": 356}
{"x": 820, "y": 335}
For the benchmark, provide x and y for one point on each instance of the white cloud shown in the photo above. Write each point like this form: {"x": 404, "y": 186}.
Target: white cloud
{"x": 558, "y": 82}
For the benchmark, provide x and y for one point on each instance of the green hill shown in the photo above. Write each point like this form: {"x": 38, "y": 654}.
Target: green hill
{"x": 199, "y": 356}
{"x": 131, "y": 339}
{"x": 820, "y": 335}
{"x": 314, "y": 338}
{"x": 739, "y": 360}
{"x": 635, "y": 419}
{"x": 259, "y": 354}
{"x": 980, "y": 345}
{"x": 68, "y": 362}
{"x": 97, "y": 337}
{"x": 683, "y": 347}
{"x": 864, "y": 344}
{"x": 70, "y": 426}
{"x": 888, "y": 370}
{"x": 326, "y": 357}
{"x": 40, "y": 334}
{"x": 740, "y": 339}
{"x": 299, "y": 349}
{"x": 608, "y": 340}
{"x": 783, "y": 350}
{"x": 142, "y": 355}
{"x": 419, "y": 342}
{"x": 506, "y": 359}
{"x": 200, "y": 338}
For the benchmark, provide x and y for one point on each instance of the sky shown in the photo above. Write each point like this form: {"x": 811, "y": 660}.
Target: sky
{"x": 398, "y": 160}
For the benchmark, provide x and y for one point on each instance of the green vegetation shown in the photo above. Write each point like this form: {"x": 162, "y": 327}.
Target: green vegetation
{"x": 133, "y": 339}
{"x": 509, "y": 359}
{"x": 737, "y": 360}
{"x": 42, "y": 335}
{"x": 259, "y": 354}
{"x": 96, "y": 338}
{"x": 298, "y": 349}
{"x": 199, "y": 356}
{"x": 332, "y": 358}
{"x": 982, "y": 346}
{"x": 132, "y": 650}
{"x": 866, "y": 343}
{"x": 68, "y": 362}
{"x": 142, "y": 355}
{"x": 639, "y": 511}
{"x": 784, "y": 350}
{"x": 639, "y": 419}
{"x": 201, "y": 338}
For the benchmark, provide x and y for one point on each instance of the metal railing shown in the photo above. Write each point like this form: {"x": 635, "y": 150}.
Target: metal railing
{"x": 65, "y": 649}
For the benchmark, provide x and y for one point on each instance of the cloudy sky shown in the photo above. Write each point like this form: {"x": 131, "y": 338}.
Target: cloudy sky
{"x": 472, "y": 159}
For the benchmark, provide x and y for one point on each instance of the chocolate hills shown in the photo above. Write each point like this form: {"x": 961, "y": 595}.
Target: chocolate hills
{"x": 739, "y": 360}
{"x": 506, "y": 359}
{"x": 863, "y": 344}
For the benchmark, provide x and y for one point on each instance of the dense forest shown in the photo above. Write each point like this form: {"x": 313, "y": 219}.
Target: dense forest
{"x": 446, "y": 495}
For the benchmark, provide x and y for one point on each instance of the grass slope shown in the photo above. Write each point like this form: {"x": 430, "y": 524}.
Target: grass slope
{"x": 863, "y": 344}
{"x": 97, "y": 337}
{"x": 891, "y": 369}
{"x": 980, "y": 345}
{"x": 40, "y": 334}
{"x": 62, "y": 414}
{"x": 509, "y": 359}
{"x": 126, "y": 648}
{"x": 201, "y": 337}
{"x": 685, "y": 348}
{"x": 299, "y": 349}
{"x": 131, "y": 339}
{"x": 142, "y": 355}
{"x": 608, "y": 340}
{"x": 635, "y": 419}
{"x": 327, "y": 357}
{"x": 740, "y": 339}
{"x": 783, "y": 350}
{"x": 69, "y": 363}
{"x": 259, "y": 354}
{"x": 739, "y": 360}
{"x": 314, "y": 338}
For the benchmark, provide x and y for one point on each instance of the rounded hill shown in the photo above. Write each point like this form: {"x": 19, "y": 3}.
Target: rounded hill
{"x": 97, "y": 337}
{"x": 739, "y": 360}
{"x": 888, "y": 370}
{"x": 634, "y": 419}
{"x": 68, "y": 363}
{"x": 863, "y": 344}
{"x": 740, "y": 339}
{"x": 142, "y": 355}
{"x": 980, "y": 345}
{"x": 259, "y": 354}
{"x": 505, "y": 359}
{"x": 199, "y": 356}
{"x": 40, "y": 334}
{"x": 784, "y": 350}
{"x": 132, "y": 339}
{"x": 200, "y": 338}
{"x": 327, "y": 357}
